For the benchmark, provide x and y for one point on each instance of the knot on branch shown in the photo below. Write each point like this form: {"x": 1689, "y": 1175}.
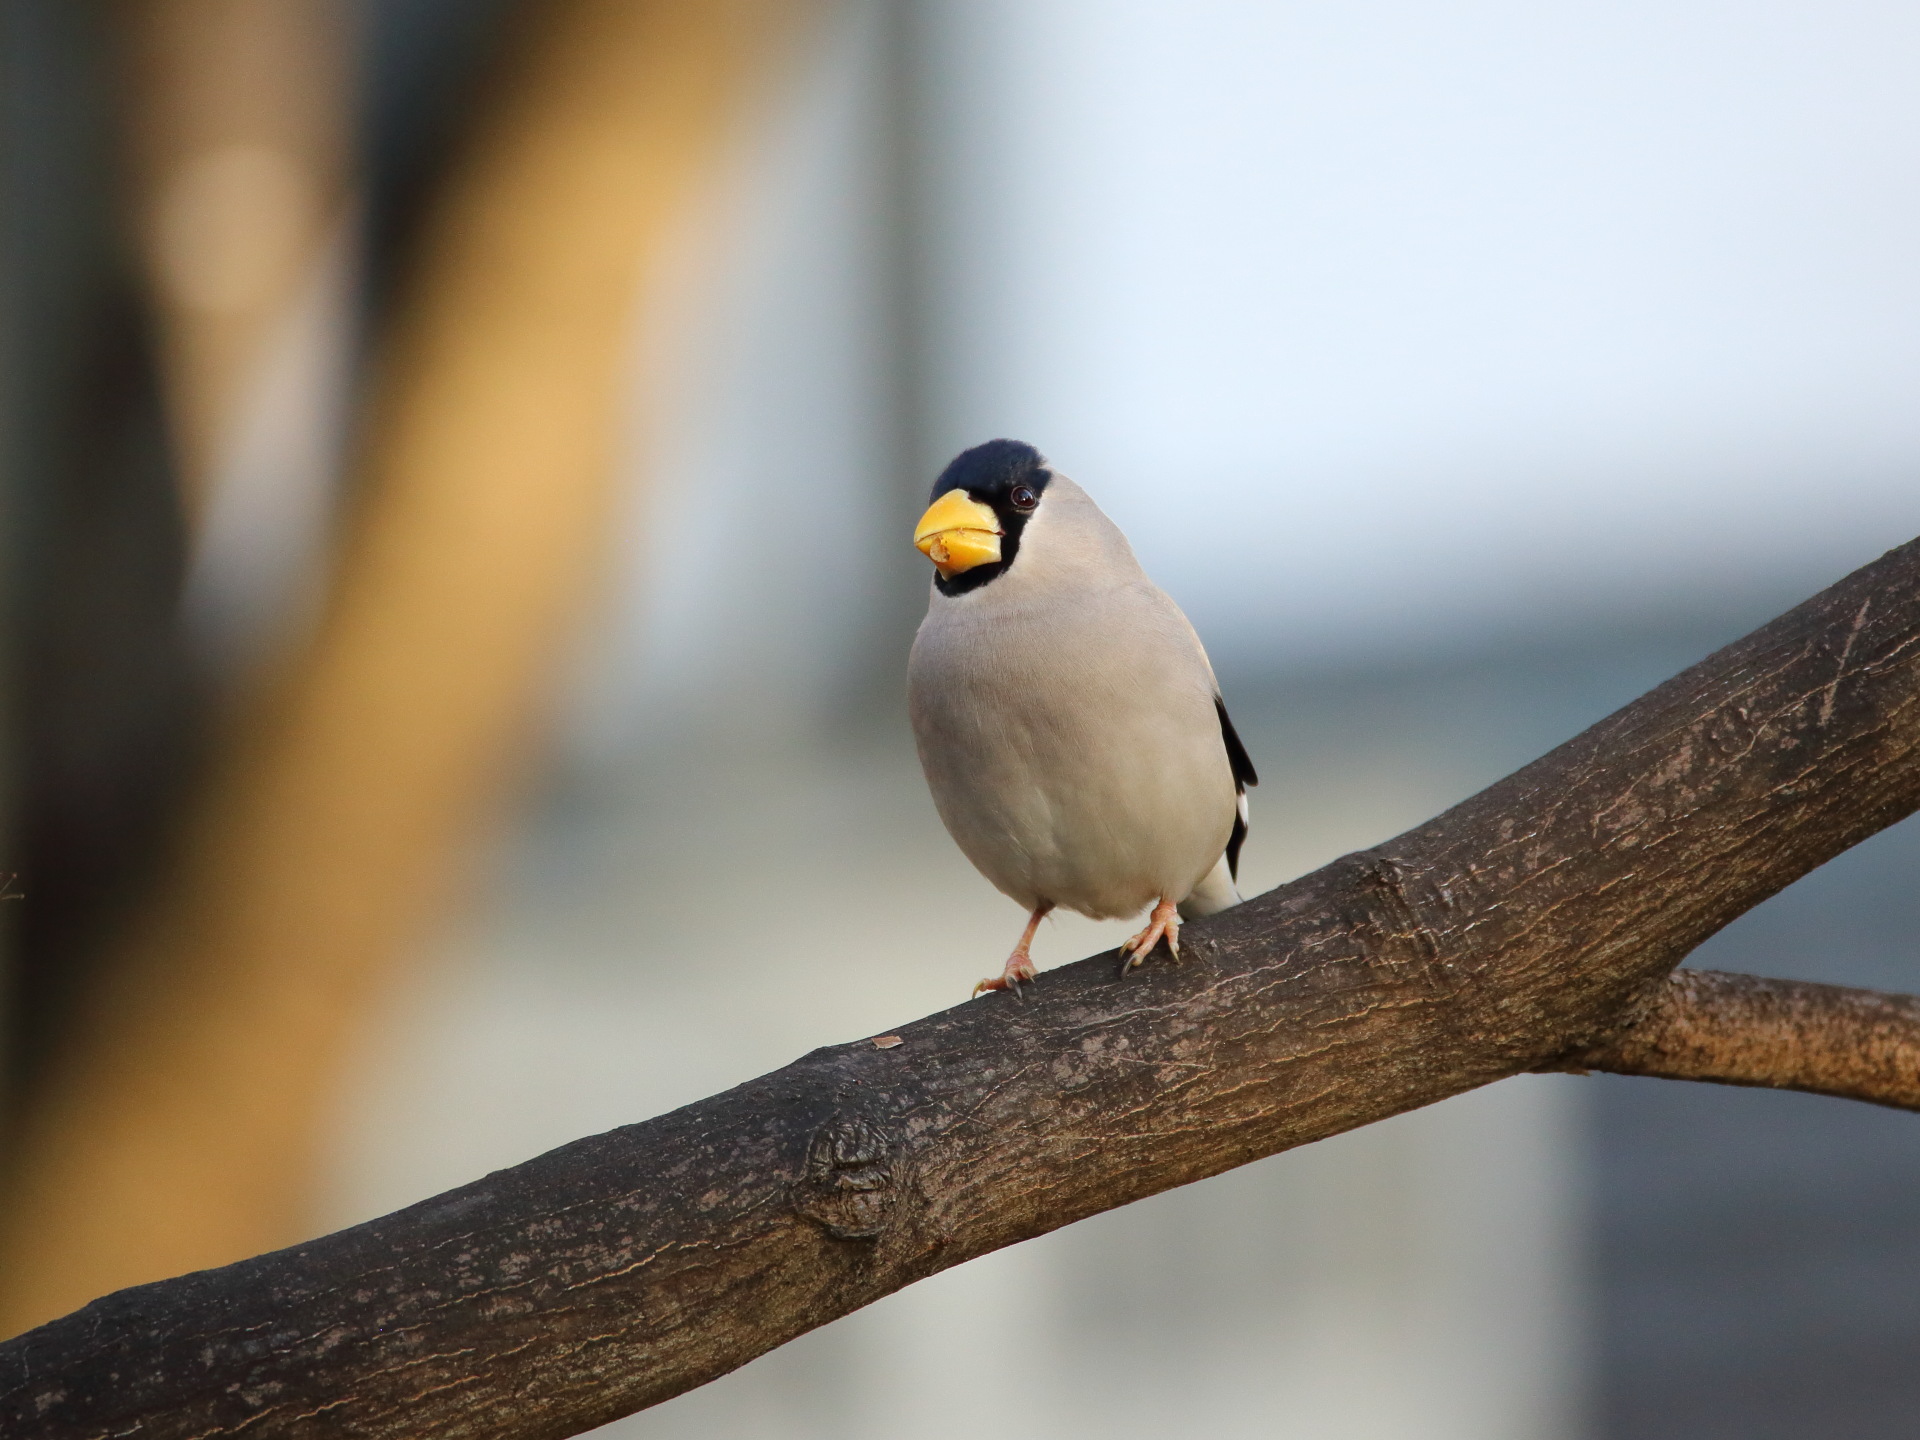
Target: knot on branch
{"x": 851, "y": 1181}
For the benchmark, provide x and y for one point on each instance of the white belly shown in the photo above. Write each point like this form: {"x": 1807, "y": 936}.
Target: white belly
{"x": 1074, "y": 763}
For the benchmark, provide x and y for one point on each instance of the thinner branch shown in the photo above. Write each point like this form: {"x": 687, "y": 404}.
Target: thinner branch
{"x": 1777, "y": 1034}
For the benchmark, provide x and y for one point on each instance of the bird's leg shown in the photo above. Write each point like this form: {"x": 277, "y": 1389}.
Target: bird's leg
{"x": 1165, "y": 920}
{"x": 1019, "y": 964}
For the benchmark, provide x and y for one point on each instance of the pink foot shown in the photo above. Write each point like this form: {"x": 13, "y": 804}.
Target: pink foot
{"x": 1019, "y": 969}
{"x": 1165, "y": 921}
{"x": 1019, "y": 972}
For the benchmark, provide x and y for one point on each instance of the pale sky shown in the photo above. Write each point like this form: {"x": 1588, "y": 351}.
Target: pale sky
{"x": 1380, "y": 322}
{"x": 1379, "y": 326}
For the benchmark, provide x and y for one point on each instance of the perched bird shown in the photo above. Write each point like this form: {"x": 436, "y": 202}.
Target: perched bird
{"x": 1066, "y": 715}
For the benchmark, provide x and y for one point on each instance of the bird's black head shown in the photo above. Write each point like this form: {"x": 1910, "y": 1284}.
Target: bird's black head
{"x": 1008, "y": 477}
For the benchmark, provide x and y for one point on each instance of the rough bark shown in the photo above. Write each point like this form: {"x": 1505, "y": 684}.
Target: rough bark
{"x": 1778, "y": 1034}
{"x": 1513, "y": 930}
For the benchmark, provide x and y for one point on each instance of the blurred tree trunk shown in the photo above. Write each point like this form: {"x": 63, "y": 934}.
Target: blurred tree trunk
{"x": 102, "y": 713}
{"x": 177, "y": 1129}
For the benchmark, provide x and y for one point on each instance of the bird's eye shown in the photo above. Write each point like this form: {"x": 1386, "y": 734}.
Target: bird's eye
{"x": 1023, "y": 498}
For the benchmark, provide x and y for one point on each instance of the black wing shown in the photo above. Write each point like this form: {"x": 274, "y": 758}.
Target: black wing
{"x": 1243, "y": 777}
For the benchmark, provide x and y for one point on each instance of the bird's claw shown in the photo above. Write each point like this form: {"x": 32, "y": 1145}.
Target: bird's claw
{"x": 1163, "y": 924}
{"x": 1018, "y": 973}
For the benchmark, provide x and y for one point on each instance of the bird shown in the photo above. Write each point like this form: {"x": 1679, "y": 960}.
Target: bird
{"x": 1066, "y": 715}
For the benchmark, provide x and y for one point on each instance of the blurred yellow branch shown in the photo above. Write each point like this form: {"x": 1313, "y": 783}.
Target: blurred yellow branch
{"x": 178, "y": 1131}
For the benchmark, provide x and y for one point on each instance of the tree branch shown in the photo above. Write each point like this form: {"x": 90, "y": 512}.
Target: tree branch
{"x": 618, "y": 1271}
{"x": 1780, "y": 1034}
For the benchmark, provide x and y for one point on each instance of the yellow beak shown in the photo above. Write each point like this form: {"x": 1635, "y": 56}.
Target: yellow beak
{"x": 957, "y": 533}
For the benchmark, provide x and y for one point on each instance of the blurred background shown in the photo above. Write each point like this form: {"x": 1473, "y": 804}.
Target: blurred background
{"x": 420, "y": 748}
